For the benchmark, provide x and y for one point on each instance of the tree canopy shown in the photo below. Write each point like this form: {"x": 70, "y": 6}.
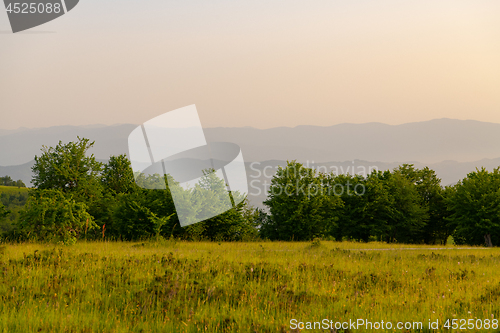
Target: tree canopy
{"x": 474, "y": 204}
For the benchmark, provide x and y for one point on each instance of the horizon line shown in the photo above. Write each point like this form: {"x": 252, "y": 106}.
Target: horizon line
{"x": 91, "y": 126}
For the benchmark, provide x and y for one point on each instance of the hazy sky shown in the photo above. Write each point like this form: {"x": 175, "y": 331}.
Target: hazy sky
{"x": 254, "y": 63}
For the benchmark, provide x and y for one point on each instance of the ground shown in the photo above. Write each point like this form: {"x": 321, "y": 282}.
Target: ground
{"x": 170, "y": 286}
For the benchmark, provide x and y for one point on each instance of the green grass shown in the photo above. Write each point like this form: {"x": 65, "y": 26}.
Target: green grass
{"x": 239, "y": 287}
{"x": 12, "y": 189}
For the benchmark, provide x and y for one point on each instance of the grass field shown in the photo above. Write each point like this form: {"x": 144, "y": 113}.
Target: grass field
{"x": 12, "y": 189}
{"x": 241, "y": 287}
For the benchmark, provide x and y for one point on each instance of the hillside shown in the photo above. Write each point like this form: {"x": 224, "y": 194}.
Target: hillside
{"x": 12, "y": 189}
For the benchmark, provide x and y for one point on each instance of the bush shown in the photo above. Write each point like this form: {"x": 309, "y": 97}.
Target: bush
{"x": 52, "y": 216}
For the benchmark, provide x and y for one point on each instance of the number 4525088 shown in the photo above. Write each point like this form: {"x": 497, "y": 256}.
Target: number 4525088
{"x": 471, "y": 324}
{"x": 34, "y": 8}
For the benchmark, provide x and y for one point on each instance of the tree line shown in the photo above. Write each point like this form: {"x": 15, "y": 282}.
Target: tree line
{"x": 8, "y": 181}
{"x": 75, "y": 197}
{"x": 404, "y": 205}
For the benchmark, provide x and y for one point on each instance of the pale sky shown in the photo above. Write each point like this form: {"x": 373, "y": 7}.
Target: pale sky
{"x": 254, "y": 63}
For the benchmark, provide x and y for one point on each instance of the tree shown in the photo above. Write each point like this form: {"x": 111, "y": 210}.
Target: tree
{"x": 366, "y": 203}
{"x": 475, "y": 208}
{"x": 20, "y": 183}
{"x": 383, "y": 206}
{"x": 52, "y": 215}
{"x": 407, "y": 216}
{"x": 136, "y": 218}
{"x": 118, "y": 176}
{"x": 145, "y": 212}
{"x": 67, "y": 167}
{"x": 210, "y": 198}
{"x": 431, "y": 192}
{"x": 300, "y": 209}
{"x": 8, "y": 181}
{"x": 352, "y": 223}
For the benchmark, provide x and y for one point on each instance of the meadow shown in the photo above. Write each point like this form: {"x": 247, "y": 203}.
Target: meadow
{"x": 12, "y": 189}
{"x": 170, "y": 286}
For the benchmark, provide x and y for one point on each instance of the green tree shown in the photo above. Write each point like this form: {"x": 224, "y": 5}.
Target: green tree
{"x": 52, "y": 215}
{"x": 384, "y": 206}
{"x": 8, "y": 181}
{"x": 144, "y": 213}
{"x": 118, "y": 176}
{"x": 475, "y": 208}
{"x": 431, "y": 192}
{"x": 136, "y": 216}
{"x": 67, "y": 168}
{"x": 350, "y": 189}
{"x": 299, "y": 206}
{"x": 20, "y": 183}
{"x": 407, "y": 214}
{"x": 208, "y": 198}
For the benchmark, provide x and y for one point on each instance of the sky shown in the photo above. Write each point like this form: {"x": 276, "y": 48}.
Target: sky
{"x": 254, "y": 63}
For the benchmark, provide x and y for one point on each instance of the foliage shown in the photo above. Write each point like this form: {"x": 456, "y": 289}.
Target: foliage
{"x": 123, "y": 210}
{"x": 299, "y": 206}
{"x": 211, "y": 197}
{"x": 3, "y": 212}
{"x": 407, "y": 215}
{"x": 142, "y": 214}
{"x": 405, "y": 205}
{"x": 385, "y": 205}
{"x": 475, "y": 208}
{"x": 13, "y": 199}
{"x": 117, "y": 175}
{"x": 67, "y": 168}
{"x": 7, "y": 181}
{"x": 428, "y": 185}
{"x": 146, "y": 213}
{"x": 51, "y": 215}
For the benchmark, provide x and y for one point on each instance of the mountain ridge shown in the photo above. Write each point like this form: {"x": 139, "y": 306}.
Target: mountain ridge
{"x": 427, "y": 142}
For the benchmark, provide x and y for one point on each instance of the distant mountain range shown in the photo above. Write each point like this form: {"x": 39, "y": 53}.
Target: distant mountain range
{"x": 451, "y": 147}
{"x": 426, "y": 142}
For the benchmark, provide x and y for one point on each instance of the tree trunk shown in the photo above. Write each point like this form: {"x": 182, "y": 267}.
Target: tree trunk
{"x": 487, "y": 239}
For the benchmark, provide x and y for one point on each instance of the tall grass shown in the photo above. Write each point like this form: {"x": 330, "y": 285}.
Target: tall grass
{"x": 173, "y": 286}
